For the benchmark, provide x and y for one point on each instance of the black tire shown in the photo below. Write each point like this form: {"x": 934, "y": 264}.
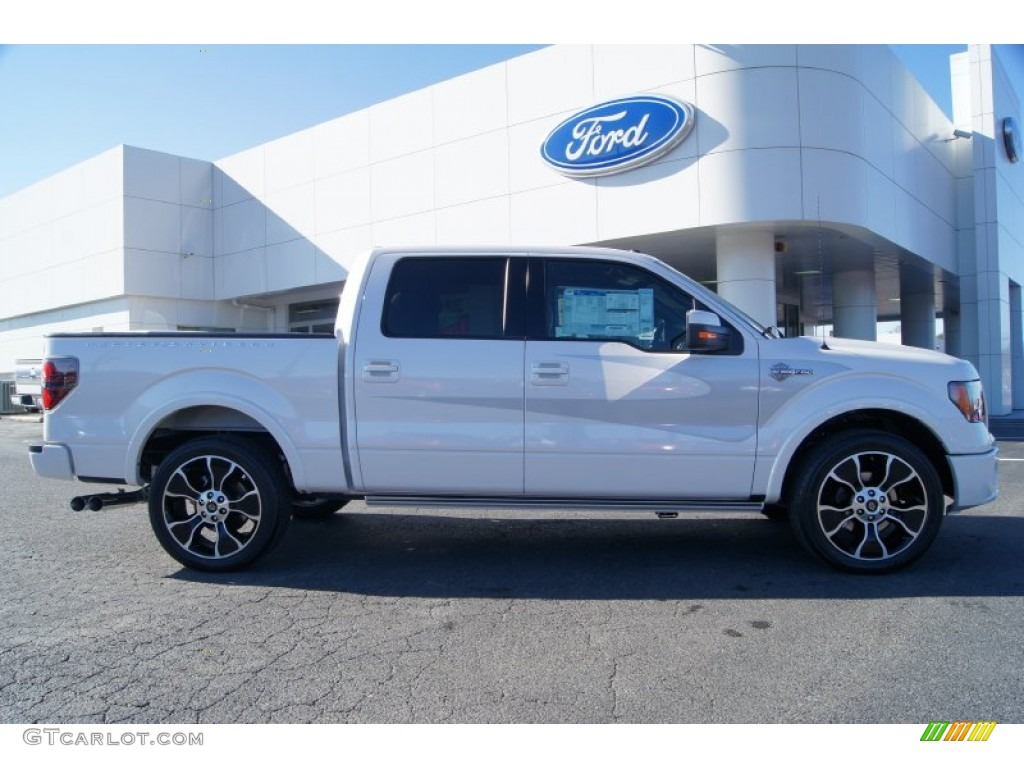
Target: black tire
{"x": 218, "y": 503}
{"x": 867, "y": 502}
{"x": 312, "y": 507}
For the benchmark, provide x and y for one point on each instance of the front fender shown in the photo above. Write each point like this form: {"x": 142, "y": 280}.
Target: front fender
{"x": 784, "y": 429}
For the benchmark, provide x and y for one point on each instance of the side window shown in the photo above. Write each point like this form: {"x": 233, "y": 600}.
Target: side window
{"x": 598, "y": 300}
{"x": 436, "y": 298}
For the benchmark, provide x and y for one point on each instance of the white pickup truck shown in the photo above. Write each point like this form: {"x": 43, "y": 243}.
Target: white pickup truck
{"x": 549, "y": 378}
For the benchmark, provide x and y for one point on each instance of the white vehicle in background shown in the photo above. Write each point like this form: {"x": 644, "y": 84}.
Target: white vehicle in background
{"x": 28, "y": 384}
{"x": 528, "y": 377}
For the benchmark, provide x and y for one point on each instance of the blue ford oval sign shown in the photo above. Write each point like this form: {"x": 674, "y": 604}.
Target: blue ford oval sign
{"x": 617, "y": 135}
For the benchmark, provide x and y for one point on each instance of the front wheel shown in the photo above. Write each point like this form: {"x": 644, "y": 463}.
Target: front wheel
{"x": 868, "y": 503}
{"x": 218, "y": 503}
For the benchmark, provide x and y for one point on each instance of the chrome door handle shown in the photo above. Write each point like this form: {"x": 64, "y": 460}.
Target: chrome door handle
{"x": 549, "y": 374}
{"x": 379, "y": 371}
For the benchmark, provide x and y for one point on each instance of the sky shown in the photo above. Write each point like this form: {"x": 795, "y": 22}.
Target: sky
{"x": 64, "y": 103}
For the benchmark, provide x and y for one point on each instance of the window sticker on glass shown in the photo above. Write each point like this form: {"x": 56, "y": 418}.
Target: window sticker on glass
{"x": 598, "y": 313}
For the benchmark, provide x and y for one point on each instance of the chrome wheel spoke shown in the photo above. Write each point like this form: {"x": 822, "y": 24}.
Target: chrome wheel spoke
{"x": 833, "y": 476}
{"x": 212, "y": 507}
{"x": 184, "y": 478}
{"x": 871, "y": 537}
{"x": 246, "y": 515}
{"x": 875, "y": 513}
{"x": 842, "y": 524}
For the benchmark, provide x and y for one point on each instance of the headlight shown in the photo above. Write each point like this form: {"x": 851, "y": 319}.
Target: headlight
{"x": 969, "y": 399}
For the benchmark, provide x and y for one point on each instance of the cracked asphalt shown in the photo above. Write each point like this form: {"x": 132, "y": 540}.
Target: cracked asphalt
{"x": 438, "y": 617}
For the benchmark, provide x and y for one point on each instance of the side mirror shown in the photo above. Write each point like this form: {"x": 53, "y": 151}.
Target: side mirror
{"x": 705, "y": 332}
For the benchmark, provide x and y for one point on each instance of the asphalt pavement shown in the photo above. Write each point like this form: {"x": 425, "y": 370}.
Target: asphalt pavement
{"x": 498, "y": 616}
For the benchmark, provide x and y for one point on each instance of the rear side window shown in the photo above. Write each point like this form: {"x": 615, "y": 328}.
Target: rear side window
{"x": 443, "y": 298}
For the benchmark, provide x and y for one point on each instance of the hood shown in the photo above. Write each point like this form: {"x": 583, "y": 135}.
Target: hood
{"x": 878, "y": 351}
{"x": 854, "y": 354}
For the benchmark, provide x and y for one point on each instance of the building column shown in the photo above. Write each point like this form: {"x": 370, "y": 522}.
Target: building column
{"x": 746, "y": 272}
{"x": 951, "y": 331}
{"x": 917, "y": 308}
{"x": 855, "y": 304}
{"x": 811, "y": 301}
{"x": 1017, "y": 346}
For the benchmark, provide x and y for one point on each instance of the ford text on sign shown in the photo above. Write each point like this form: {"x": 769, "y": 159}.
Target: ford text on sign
{"x": 618, "y": 135}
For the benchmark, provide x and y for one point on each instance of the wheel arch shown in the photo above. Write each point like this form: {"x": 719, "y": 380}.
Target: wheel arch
{"x": 167, "y": 430}
{"x": 884, "y": 420}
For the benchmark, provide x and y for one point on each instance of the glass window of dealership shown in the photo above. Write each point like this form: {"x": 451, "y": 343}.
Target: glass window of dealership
{"x": 816, "y": 187}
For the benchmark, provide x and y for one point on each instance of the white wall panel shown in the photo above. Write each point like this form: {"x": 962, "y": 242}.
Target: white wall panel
{"x": 722, "y": 58}
{"x": 152, "y": 225}
{"x": 940, "y": 242}
{"x": 103, "y": 177}
{"x": 240, "y": 274}
{"x": 403, "y": 186}
{"x": 831, "y": 111}
{"x": 65, "y": 193}
{"x": 289, "y": 161}
{"x": 94, "y": 277}
{"x": 877, "y": 73}
{"x": 242, "y": 227}
{"x": 152, "y": 175}
{"x": 844, "y": 59}
{"x": 343, "y": 201}
{"x": 905, "y": 148}
{"x": 243, "y": 177}
{"x": 881, "y": 203}
{"x": 622, "y": 70}
{"x": 337, "y": 250}
{"x": 935, "y": 186}
{"x": 748, "y": 109}
{"x": 290, "y": 265}
{"x": 291, "y": 213}
{"x": 94, "y": 230}
{"x": 33, "y": 250}
{"x": 197, "y": 276}
{"x": 752, "y": 185}
{"x": 196, "y": 183}
{"x": 846, "y": 201}
{"x": 152, "y": 273}
{"x": 561, "y": 215}
{"x": 419, "y": 229}
{"x": 472, "y": 169}
{"x": 342, "y": 145}
{"x": 878, "y": 129}
{"x": 196, "y": 231}
{"x": 526, "y": 168}
{"x": 550, "y": 81}
{"x": 655, "y": 198}
{"x": 401, "y": 126}
{"x": 470, "y": 105}
{"x": 483, "y": 221}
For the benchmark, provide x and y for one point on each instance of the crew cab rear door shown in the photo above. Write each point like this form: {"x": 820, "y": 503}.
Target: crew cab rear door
{"x": 615, "y": 405}
{"x": 439, "y": 375}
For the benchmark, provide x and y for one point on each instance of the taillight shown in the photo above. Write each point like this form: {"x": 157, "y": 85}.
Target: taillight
{"x": 60, "y": 376}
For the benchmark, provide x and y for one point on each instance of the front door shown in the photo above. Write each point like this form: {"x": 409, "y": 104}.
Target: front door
{"x": 616, "y": 408}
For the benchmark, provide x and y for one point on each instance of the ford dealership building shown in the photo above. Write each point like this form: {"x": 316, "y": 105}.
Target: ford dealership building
{"x": 814, "y": 186}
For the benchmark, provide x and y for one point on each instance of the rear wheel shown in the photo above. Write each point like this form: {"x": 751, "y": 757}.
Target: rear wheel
{"x": 218, "y": 503}
{"x": 868, "y": 502}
